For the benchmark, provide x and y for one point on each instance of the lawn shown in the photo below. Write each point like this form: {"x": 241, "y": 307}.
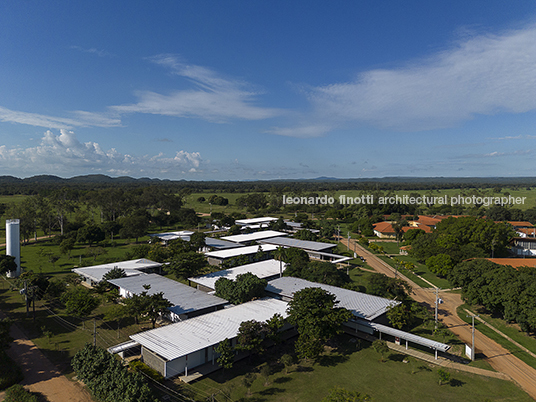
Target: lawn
{"x": 508, "y": 329}
{"x": 354, "y": 366}
{"x": 389, "y": 247}
{"x": 59, "y": 335}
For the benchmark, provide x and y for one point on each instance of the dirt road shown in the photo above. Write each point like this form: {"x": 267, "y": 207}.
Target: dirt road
{"x": 499, "y": 358}
{"x": 40, "y": 375}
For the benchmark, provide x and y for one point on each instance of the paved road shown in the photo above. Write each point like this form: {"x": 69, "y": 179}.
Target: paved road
{"x": 40, "y": 375}
{"x": 498, "y": 357}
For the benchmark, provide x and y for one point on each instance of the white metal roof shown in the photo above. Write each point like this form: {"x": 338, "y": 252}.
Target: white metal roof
{"x": 262, "y": 269}
{"x": 131, "y": 267}
{"x": 220, "y": 244}
{"x": 244, "y": 238}
{"x": 360, "y": 304}
{"x": 235, "y": 252}
{"x": 405, "y": 335}
{"x": 297, "y": 243}
{"x": 185, "y": 337}
{"x": 184, "y": 234}
{"x": 184, "y": 298}
{"x": 254, "y": 221}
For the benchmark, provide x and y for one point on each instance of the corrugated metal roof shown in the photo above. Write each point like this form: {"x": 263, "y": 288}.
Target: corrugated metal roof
{"x": 185, "y": 337}
{"x": 220, "y": 244}
{"x": 244, "y": 238}
{"x": 183, "y": 234}
{"x": 235, "y": 252}
{"x": 131, "y": 268}
{"x": 253, "y": 221}
{"x": 419, "y": 340}
{"x": 184, "y": 298}
{"x": 361, "y": 305}
{"x": 262, "y": 269}
{"x": 303, "y": 244}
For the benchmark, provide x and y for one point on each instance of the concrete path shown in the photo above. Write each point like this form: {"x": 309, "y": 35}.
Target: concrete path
{"x": 498, "y": 357}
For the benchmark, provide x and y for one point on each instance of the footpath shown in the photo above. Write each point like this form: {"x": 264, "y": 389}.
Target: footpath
{"x": 40, "y": 375}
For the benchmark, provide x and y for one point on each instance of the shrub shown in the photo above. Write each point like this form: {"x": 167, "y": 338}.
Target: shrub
{"x": 17, "y": 393}
{"x": 10, "y": 373}
{"x": 137, "y": 365}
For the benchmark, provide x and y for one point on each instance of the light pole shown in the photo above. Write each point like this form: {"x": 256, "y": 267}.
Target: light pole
{"x": 438, "y": 301}
{"x": 473, "y": 335}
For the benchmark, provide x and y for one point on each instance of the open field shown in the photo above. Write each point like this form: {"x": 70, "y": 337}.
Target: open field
{"x": 356, "y": 366}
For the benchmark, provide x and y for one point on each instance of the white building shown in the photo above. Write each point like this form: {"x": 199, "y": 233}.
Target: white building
{"x": 187, "y": 301}
{"x": 177, "y": 348}
{"x": 249, "y": 238}
{"x": 94, "y": 274}
{"x": 268, "y": 269}
{"x": 219, "y": 257}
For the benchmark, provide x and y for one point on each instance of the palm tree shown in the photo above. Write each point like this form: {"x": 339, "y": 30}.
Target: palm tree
{"x": 279, "y": 254}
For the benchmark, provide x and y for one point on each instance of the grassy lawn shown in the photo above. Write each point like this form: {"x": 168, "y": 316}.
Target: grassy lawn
{"x": 510, "y": 330}
{"x": 68, "y": 334}
{"x": 355, "y": 366}
{"x": 389, "y": 247}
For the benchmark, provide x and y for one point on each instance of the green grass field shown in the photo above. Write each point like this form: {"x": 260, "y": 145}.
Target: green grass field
{"x": 508, "y": 329}
{"x": 355, "y": 370}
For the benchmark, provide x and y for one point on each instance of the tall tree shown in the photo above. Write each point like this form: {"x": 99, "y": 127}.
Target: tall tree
{"x": 314, "y": 313}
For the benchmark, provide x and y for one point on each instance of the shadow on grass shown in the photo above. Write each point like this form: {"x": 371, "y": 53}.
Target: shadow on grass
{"x": 271, "y": 391}
{"x": 332, "y": 360}
{"x": 396, "y": 357}
{"x": 304, "y": 369}
{"x": 456, "y": 383}
{"x": 424, "y": 368}
{"x": 282, "y": 380}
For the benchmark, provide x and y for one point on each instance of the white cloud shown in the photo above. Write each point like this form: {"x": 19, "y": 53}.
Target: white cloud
{"x": 305, "y": 131}
{"x": 483, "y": 74}
{"x": 215, "y": 98}
{"x": 65, "y": 155}
{"x": 81, "y": 119}
{"x": 100, "y": 53}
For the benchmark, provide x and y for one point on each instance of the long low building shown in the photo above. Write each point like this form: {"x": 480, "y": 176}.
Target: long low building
{"x": 187, "y": 301}
{"x": 219, "y": 257}
{"x": 95, "y": 274}
{"x": 368, "y": 310}
{"x": 248, "y": 238}
{"x": 268, "y": 269}
{"x": 176, "y": 348}
{"x": 314, "y": 249}
{"x": 361, "y": 305}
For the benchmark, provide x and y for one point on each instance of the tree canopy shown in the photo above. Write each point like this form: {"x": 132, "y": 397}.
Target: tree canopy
{"x": 246, "y": 287}
{"x": 313, "y": 312}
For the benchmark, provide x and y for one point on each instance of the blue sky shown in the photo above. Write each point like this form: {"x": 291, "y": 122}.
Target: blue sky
{"x": 236, "y": 90}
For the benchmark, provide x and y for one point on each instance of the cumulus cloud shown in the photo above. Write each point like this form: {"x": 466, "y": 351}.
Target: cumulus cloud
{"x": 480, "y": 75}
{"x": 214, "y": 98}
{"x": 65, "y": 155}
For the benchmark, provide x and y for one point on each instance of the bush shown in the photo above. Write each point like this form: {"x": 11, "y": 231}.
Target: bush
{"x": 10, "y": 373}
{"x": 137, "y": 365}
{"x": 17, "y": 393}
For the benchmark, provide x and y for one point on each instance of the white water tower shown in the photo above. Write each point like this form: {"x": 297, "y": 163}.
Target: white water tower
{"x": 13, "y": 244}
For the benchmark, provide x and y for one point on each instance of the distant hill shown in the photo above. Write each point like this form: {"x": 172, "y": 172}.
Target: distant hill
{"x": 43, "y": 184}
